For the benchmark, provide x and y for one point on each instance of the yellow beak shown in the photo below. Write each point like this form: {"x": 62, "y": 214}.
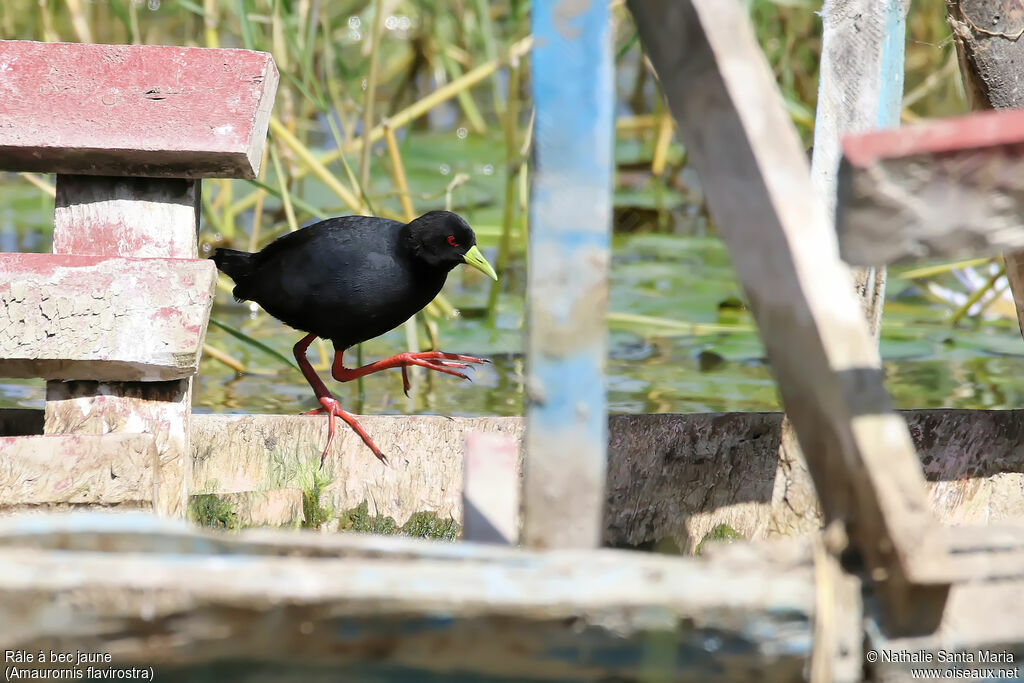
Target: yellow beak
{"x": 474, "y": 258}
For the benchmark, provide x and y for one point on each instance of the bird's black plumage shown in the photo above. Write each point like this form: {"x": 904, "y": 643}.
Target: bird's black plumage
{"x": 352, "y": 278}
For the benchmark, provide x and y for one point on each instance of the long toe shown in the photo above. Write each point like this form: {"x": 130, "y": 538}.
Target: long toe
{"x": 332, "y": 408}
{"x": 432, "y": 365}
{"x": 442, "y": 355}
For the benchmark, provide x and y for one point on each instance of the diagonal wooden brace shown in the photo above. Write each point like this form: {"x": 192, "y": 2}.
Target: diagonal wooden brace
{"x": 757, "y": 181}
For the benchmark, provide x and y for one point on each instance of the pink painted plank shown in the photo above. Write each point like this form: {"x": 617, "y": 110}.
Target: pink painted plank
{"x": 103, "y": 318}
{"x": 132, "y": 217}
{"x": 946, "y": 189}
{"x": 138, "y": 110}
{"x": 962, "y": 133}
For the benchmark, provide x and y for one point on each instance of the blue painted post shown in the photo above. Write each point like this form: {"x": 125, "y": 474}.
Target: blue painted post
{"x": 567, "y": 289}
{"x": 890, "y": 96}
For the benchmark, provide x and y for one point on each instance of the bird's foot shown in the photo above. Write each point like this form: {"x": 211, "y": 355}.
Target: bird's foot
{"x": 332, "y": 408}
{"x": 448, "y": 363}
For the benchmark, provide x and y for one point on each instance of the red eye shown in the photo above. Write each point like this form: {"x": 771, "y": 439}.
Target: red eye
{"x": 451, "y": 241}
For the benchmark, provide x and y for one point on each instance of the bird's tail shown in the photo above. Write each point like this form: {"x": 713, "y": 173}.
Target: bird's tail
{"x": 235, "y": 264}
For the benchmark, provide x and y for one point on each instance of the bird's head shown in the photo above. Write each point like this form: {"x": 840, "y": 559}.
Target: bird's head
{"x": 443, "y": 240}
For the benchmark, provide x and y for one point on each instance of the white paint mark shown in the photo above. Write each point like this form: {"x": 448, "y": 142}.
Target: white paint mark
{"x": 223, "y": 130}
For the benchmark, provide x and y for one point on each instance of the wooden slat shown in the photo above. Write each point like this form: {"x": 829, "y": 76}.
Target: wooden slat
{"x": 55, "y": 471}
{"x": 127, "y": 217}
{"x": 102, "y": 318}
{"x": 758, "y": 188}
{"x": 490, "y": 488}
{"x": 860, "y": 88}
{"x": 415, "y": 610}
{"x": 133, "y": 110}
{"x": 711, "y": 469}
{"x": 944, "y": 189}
{"x": 570, "y": 215}
{"x": 138, "y": 217}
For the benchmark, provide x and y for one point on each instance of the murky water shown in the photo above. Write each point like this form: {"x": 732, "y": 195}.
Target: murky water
{"x": 652, "y": 367}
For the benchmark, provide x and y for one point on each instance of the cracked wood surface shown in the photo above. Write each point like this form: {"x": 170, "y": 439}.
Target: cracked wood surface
{"x": 102, "y": 318}
{"x": 134, "y": 110}
{"x": 75, "y": 470}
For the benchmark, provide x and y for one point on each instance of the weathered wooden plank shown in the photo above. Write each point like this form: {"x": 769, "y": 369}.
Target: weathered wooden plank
{"x": 950, "y": 188}
{"x": 742, "y": 612}
{"x": 248, "y": 452}
{"x": 138, "y": 217}
{"x": 58, "y": 471}
{"x": 134, "y": 110}
{"x": 758, "y": 188}
{"x": 567, "y": 287}
{"x": 159, "y": 409}
{"x": 860, "y": 88}
{"x": 106, "y": 216}
{"x": 490, "y": 488}
{"x": 425, "y": 609}
{"x": 987, "y": 43}
{"x": 724, "y": 464}
{"x": 102, "y": 318}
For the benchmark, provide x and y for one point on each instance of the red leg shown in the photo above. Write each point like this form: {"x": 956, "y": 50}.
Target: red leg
{"x": 448, "y": 363}
{"x": 329, "y": 403}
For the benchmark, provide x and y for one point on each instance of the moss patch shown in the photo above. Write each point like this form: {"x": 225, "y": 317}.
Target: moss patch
{"x": 721, "y": 533}
{"x": 314, "y": 513}
{"x": 429, "y": 525}
{"x": 206, "y": 509}
{"x": 420, "y": 525}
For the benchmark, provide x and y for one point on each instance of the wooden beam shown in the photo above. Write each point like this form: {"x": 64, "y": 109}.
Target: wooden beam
{"x": 860, "y": 88}
{"x": 723, "y": 463}
{"x": 158, "y": 409}
{"x": 415, "y": 610}
{"x": 757, "y": 182}
{"x": 107, "y": 216}
{"x": 117, "y": 470}
{"x": 567, "y": 287}
{"x": 988, "y": 48}
{"x": 114, "y": 216}
{"x": 134, "y": 110}
{"x": 944, "y": 189}
{"x": 102, "y": 318}
{"x": 424, "y": 610}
